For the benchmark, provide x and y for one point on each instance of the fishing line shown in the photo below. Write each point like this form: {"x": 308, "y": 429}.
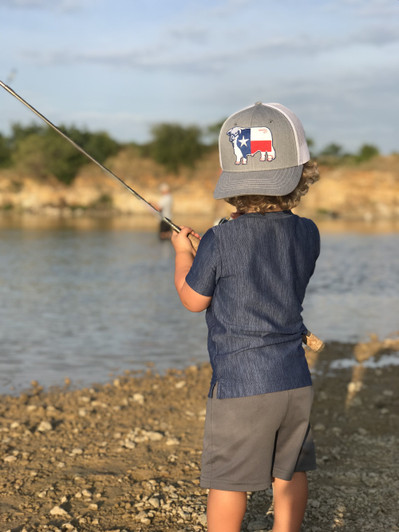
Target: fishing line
{"x": 86, "y": 154}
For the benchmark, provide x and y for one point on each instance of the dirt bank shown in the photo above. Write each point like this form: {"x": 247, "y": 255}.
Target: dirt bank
{"x": 367, "y": 192}
{"x": 126, "y": 455}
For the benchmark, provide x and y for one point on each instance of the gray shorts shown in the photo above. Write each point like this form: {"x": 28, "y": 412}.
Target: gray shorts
{"x": 249, "y": 440}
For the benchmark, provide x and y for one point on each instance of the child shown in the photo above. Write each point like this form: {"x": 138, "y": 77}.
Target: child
{"x": 251, "y": 275}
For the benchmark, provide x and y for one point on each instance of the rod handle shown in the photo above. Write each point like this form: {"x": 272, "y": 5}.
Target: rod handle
{"x": 313, "y": 342}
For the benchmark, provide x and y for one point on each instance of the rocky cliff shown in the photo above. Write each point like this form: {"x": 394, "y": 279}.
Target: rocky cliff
{"x": 369, "y": 192}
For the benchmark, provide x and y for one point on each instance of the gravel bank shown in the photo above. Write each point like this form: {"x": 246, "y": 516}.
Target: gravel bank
{"x": 126, "y": 455}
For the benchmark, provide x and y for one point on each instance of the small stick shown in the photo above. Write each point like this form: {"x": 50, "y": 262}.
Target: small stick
{"x": 313, "y": 342}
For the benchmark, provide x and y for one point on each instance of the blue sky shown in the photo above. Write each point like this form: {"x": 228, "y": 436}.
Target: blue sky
{"x": 124, "y": 65}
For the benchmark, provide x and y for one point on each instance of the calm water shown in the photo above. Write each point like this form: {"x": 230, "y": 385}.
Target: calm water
{"x": 86, "y": 304}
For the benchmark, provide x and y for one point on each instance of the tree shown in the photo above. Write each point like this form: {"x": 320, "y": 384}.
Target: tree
{"x": 62, "y": 159}
{"x": 213, "y": 132}
{"x": 367, "y": 152}
{"x": 101, "y": 146}
{"x": 174, "y": 145}
{"x": 28, "y": 155}
{"x": 5, "y": 152}
{"x": 332, "y": 150}
{"x": 41, "y": 151}
{"x": 21, "y": 132}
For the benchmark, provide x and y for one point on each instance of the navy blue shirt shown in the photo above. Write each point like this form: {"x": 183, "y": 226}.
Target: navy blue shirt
{"x": 256, "y": 268}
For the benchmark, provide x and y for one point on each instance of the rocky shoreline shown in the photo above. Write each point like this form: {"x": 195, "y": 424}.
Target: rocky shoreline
{"x": 126, "y": 455}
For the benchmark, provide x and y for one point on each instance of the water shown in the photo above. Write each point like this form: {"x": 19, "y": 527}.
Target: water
{"x": 87, "y": 304}
{"x": 355, "y": 289}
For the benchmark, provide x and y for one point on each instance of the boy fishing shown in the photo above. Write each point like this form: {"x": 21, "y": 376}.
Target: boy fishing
{"x": 251, "y": 274}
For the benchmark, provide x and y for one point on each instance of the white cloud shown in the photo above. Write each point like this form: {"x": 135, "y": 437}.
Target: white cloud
{"x": 48, "y": 5}
{"x": 360, "y": 8}
{"x": 372, "y": 9}
{"x": 379, "y": 34}
{"x": 196, "y": 35}
{"x": 160, "y": 56}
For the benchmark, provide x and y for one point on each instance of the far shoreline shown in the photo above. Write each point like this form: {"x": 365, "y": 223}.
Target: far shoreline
{"x": 149, "y": 223}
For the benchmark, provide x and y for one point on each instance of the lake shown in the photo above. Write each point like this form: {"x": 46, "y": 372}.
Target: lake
{"x": 89, "y": 299}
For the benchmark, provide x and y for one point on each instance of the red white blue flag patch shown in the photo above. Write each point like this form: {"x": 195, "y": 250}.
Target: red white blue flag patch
{"x": 248, "y": 141}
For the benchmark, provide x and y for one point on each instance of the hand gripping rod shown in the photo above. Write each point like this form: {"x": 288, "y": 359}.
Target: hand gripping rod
{"x": 104, "y": 168}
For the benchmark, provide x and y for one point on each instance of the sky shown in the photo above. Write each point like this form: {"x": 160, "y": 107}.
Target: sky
{"x": 123, "y": 66}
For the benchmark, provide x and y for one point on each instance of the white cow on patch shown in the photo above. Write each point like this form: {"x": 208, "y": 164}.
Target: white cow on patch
{"x": 248, "y": 141}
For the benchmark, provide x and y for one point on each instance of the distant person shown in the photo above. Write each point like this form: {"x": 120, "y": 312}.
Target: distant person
{"x": 251, "y": 274}
{"x": 165, "y": 206}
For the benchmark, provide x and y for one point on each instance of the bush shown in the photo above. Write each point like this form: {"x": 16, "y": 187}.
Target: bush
{"x": 43, "y": 152}
{"x": 174, "y": 145}
{"x": 28, "y": 155}
{"x": 367, "y": 152}
{"x": 5, "y": 152}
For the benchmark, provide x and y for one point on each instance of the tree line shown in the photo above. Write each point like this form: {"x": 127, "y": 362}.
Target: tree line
{"x": 41, "y": 152}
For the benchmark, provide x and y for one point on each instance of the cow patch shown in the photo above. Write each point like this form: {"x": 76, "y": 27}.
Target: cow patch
{"x": 248, "y": 141}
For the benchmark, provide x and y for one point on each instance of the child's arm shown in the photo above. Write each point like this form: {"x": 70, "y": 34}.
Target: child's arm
{"x": 185, "y": 254}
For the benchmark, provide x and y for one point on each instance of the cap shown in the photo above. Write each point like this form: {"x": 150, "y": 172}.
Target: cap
{"x": 262, "y": 150}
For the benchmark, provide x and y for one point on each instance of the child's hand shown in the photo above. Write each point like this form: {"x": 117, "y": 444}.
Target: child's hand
{"x": 182, "y": 243}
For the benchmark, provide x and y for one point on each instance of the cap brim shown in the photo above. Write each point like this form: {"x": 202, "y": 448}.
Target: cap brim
{"x": 278, "y": 182}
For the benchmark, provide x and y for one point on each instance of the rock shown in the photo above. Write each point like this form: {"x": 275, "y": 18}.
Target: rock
{"x": 44, "y": 426}
{"x": 10, "y": 458}
{"x": 142, "y": 435}
{"x": 138, "y": 398}
{"x": 76, "y": 451}
{"x": 58, "y": 511}
{"x": 258, "y": 526}
{"x": 172, "y": 441}
{"x": 153, "y": 436}
{"x": 202, "y": 520}
{"x": 154, "y": 502}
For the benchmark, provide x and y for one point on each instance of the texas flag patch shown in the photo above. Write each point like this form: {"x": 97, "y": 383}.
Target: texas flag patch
{"x": 248, "y": 141}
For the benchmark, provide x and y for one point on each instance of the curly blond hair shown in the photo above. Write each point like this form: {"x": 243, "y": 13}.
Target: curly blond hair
{"x": 262, "y": 204}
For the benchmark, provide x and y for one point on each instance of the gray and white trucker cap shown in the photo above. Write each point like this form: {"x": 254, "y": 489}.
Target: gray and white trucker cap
{"x": 262, "y": 150}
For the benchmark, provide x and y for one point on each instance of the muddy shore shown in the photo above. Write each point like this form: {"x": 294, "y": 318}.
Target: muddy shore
{"x": 126, "y": 455}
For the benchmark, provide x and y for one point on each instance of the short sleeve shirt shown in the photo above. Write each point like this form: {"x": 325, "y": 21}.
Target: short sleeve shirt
{"x": 256, "y": 268}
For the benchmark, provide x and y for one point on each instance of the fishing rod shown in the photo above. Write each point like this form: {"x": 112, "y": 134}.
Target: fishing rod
{"x": 194, "y": 240}
{"x": 308, "y": 338}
